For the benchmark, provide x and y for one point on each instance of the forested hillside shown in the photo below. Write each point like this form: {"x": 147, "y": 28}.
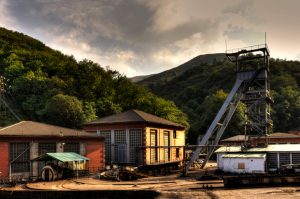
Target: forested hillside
{"x": 45, "y": 85}
{"x": 201, "y": 90}
{"x": 157, "y": 80}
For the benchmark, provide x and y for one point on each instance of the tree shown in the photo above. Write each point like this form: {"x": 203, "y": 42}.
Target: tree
{"x": 64, "y": 110}
{"x": 207, "y": 112}
{"x": 286, "y": 109}
{"x": 48, "y": 86}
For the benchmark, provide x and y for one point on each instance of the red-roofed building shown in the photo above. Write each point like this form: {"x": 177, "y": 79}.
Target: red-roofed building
{"x": 139, "y": 138}
{"x": 26, "y": 140}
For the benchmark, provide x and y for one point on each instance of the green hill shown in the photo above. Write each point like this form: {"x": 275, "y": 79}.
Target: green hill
{"x": 200, "y": 89}
{"x": 154, "y": 81}
{"x": 139, "y": 78}
{"x": 45, "y": 85}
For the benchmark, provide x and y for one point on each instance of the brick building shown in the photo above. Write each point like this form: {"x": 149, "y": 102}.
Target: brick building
{"x": 139, "y": 138}
{"x": 26, "y": 140}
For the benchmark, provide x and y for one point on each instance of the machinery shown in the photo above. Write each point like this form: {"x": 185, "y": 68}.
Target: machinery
{"x": 252, "y": 87}
{"x": 62, "y": 165}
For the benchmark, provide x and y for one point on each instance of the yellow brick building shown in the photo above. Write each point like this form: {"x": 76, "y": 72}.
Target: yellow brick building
{"x": 139, "y": 138}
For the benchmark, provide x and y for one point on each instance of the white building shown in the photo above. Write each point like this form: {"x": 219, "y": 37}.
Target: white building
{"x": 243, "y": 163}
{"x": 257, "y": 160}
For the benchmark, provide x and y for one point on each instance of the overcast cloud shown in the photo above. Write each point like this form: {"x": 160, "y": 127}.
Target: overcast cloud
{"x": 138, "y": 37}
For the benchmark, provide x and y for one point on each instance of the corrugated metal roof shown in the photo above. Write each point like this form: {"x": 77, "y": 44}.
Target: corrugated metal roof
{"x": 269, "y": 148}
{"x": 245, "y": 155}
{"x": 224, "y": 149}
{"x": 37, "y": 129}
{"x": 63, "y": 157}
{"x": 237, "y": 138}
{"x": 134, "y": 116}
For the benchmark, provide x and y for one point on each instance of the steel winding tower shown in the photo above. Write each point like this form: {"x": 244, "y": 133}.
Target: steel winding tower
{"x": 252, "y": 66}
{"x": 252, "y": 87}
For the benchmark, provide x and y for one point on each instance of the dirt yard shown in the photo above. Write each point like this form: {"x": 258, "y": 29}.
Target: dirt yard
{"x": 169, "y": 187}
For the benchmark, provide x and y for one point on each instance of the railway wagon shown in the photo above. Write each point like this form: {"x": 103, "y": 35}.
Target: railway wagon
{"x": 272, "y": 164}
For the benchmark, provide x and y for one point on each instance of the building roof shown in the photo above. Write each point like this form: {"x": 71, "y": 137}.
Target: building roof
{"x": 269, "y": 148}
{"x": 63, "y": 157}
{"x": 245, "y": 155}
{"x": 237, "y": 138}
{"x": 229, "y": 149}
{"x": 133, "y": 116}
{"x": 37, "y": 129}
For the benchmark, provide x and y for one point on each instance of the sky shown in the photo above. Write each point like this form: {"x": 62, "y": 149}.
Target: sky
{"x": 140, "y": 37}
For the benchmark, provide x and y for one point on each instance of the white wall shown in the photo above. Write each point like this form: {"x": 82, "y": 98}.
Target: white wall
{"x": 220, "y": 160}
{"x": 252, "y": 165}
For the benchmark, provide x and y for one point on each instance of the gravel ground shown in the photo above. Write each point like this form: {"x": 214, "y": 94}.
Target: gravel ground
{"x": 169, "y": 187}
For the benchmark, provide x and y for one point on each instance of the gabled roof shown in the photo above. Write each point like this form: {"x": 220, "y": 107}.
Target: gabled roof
{"x": 63, "y": 157}
{"x": 133, "y": 116}
{"x": 37, "y": 129}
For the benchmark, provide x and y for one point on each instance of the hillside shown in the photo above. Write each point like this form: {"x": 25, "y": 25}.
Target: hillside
{"x": 166, "y": 76}
{"x": 201, "y": 89}
{"x": 45, "y": 85}
{"x": 139, "y": 78}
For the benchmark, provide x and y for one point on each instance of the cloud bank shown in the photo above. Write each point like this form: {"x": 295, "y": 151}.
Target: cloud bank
{"x": 139, "y": 37}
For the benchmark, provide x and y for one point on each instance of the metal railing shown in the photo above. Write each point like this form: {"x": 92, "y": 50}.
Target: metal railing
{"x": 163, "y": 154}
{"x": 249, "y": 48}
{"x": 5, "y": 180}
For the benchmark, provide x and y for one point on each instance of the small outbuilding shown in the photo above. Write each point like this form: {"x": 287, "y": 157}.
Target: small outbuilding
{"x": 138, "y": 138}
{"x": 243, "y": 163}
{"x": 64, "y": 164}
{"x": 271, "y": 158}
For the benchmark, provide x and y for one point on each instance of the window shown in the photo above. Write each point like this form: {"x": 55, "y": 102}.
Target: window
{"x": 47, "y": 148}
{"x": 107, "y": 135}
{"x": 72, "y": 147}
{"x": 174, "y": 134}
{"x": 20, "y": 157}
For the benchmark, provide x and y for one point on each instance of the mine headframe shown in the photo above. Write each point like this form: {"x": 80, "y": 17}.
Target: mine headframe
{"x": 252, "y": 87}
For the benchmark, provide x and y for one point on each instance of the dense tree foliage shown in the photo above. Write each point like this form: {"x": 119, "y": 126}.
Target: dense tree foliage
{"x": 45, "y": 85}
{"x": 200, "y": 91}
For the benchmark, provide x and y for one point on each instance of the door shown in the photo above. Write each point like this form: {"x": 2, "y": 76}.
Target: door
{"x": 122, "y": 153}
{"x": 153, "y": 146}
{"x": 47, "y": 175}
{"x": 45, "y": 148}
{"x": 120, "y": 146}
{"x": 167, "y": 146}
